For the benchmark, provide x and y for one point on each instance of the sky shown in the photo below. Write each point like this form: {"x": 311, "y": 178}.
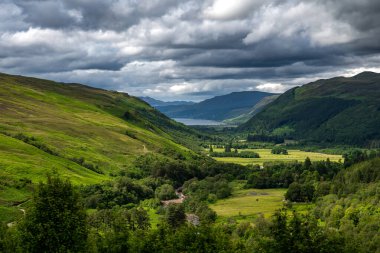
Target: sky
{"x": 189, "y": 50}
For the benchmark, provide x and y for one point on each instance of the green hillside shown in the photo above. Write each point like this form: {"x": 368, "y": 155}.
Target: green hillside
{"x": 83, "y": 133}
{"x": 254, "y": 110}
{"x": 217, "y": 108}
{"x": 337, "y": 110}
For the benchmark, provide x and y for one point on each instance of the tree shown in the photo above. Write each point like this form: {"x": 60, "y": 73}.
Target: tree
{"x": 279, "y": 150}
{"x": 227, "y": 148}
{"x": 307, "y": 163}
{"x": 56, "y": 222}
{"x": 175, "y": 215}
{"x": 165, "y": 192}
{"x": 294, "y": 192}
{"x": 211, "y": 149}
{"x": 300, "y": 192}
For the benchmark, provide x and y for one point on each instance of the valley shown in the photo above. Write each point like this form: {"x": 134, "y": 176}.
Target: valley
{"x": 112, "y": 162}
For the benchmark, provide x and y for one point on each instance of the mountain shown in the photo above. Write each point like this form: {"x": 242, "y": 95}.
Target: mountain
{"x": 254, "y": 110}
{"x": 339, "y": 110}
{"x": 158, "y": 103}
{"x": 217, "y": 108}
{"x": 85, "y": 134}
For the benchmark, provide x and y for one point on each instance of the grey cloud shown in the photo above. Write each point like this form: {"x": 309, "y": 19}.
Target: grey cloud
{"x": 188, "y": 49}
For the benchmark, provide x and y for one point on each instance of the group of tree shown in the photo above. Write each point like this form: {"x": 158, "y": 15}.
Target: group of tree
{"x": 209, "y": 189}
{"x": 179, "y": 171}
{"x": 265, "y": 138}
{"x": 242, "y": 154}
{"x": 281, "y": 175}
{"x": 278, "y": 150}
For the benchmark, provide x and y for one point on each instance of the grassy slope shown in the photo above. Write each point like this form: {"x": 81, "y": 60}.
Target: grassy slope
{"x": 267, "y": 156}
{"x": 74, "y": 121}
{"x": 241, "y": 119}
{"x": 337, "y": 110}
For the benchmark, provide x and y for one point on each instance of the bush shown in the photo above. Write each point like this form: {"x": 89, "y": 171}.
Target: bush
{"x": 165, "y": 192}
{"x": 279, "y": 150}
{"x": 56, "y": 222}
{"x": 243, "y": 154}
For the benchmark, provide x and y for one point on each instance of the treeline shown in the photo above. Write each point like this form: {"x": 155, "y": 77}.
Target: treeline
{"x": 281, "y": 175}
{"x": 179, "y": 171}
{"x": 265, "y": 138}
{"x": 242, "y": 154}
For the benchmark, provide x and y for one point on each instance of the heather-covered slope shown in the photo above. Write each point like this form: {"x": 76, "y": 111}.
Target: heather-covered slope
{"x": 85, "y": 134}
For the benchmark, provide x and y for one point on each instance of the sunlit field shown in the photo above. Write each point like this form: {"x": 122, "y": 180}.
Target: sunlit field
{"x": 267, "y": 156}
{"x": 249, "y": 203}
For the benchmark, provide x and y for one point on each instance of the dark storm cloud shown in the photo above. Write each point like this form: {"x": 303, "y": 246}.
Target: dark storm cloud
{"x": 189, "y": 49}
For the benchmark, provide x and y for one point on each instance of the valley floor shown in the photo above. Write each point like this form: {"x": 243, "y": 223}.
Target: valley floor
{"x": 267, "y": 156}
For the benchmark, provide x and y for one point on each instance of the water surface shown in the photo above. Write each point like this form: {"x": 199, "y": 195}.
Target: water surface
{"x": 199, "y": 122}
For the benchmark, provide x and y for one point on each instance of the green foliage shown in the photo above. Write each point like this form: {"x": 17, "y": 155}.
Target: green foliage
{"x": 178, "y": 171}
{"x": 227, "y": 148}
{"x": 201, "y": 209}
{"x": 175, "y": 215}
{"x": 36, "y": 143}
{"x": 337, "y": 110}
{"x": 264, "y": 138}
{"x": 279, "y": 150}
{"x": 354, "y": 207}
{"x": 56, "y": 222}
{"x": 301, "y": 233}
{"x": 110, "y": 229}
{"x": 281, "y": 175}
{"x": 300, "y": 192}
{"x": 356, "y": 156}
{"x": 122, "y": 191}
{"x": 208, "y": 188}
{"x": 242, "y": 154}
{"x": 165, "y": 192}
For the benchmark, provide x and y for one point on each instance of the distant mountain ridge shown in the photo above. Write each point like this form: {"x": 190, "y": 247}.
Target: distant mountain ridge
{"x": 336, "y": 110}
{"x": 158, "y": 103}
{"x": 217, "y": 108}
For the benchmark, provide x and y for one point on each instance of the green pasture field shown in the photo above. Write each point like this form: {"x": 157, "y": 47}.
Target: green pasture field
{"x": 247, "y": 204}
{"x": 267, "y": 156}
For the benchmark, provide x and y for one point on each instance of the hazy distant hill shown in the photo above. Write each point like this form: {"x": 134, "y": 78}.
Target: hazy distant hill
{"x": 158, "y": 103}
{"x": 341, "y": 110}
{"x": 217, "y": 108}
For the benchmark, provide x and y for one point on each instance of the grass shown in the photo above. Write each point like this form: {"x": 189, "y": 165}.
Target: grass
{"x": 154, "y": 218}
{"x": 247, "y": 204}
{"x": 9, "y": 214}
{"x": 267, "y": 156}
{"x": 75, "y": 122}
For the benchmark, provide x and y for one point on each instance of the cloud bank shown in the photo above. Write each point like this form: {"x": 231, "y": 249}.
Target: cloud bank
{"x": 195, "y": 49}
